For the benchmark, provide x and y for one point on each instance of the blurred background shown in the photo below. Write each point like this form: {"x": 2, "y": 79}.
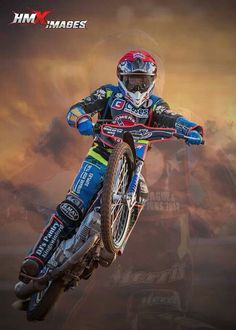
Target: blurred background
{"x": 179, "y": 269}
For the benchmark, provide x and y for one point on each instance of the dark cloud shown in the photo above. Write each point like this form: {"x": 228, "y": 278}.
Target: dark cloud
{"x": 23, "y": 202}
{"x": 54, "y": 140}
{"x": 215, "y": 173}
{"x": 59, "y": 142}
{"x": 199, "y": 181}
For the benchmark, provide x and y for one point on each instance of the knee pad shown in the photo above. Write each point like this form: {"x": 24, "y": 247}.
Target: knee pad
{"x": 70, "y": 211}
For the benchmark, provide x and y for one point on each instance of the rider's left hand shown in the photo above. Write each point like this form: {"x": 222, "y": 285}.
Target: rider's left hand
{"x": 85, "y": 127}
{"x": 194, "y": 138}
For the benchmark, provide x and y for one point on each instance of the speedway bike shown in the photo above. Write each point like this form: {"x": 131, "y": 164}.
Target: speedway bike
{"x": 107, "y": 224}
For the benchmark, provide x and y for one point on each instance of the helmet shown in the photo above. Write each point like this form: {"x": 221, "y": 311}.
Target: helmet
{"x": 136, "y": 72}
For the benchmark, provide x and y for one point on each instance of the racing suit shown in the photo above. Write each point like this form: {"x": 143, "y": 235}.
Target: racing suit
{"x": 109, "y": 103}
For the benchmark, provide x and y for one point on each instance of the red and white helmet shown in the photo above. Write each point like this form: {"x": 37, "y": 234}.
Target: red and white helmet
{"x": 137, "y": 71}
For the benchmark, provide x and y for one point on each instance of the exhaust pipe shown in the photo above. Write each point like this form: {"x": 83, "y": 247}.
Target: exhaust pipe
{"x": 24, "y": 291}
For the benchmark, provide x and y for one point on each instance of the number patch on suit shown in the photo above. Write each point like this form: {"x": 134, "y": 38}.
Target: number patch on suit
{"x": 118, "y": 104}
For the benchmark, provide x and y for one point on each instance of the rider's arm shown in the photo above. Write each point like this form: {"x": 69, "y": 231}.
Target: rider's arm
{"x": 88, "y": 106}
{"x": 162, "y": 116}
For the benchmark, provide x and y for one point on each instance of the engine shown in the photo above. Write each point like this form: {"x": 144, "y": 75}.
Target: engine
{"x": 89, "y": 226}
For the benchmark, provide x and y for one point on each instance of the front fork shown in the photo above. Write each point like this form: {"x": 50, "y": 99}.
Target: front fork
{"x": 132, "y": 190}
{"x": 130, "y": 198}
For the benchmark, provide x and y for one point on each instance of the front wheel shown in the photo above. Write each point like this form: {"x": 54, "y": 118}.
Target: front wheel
{"x": 114, "y": 211}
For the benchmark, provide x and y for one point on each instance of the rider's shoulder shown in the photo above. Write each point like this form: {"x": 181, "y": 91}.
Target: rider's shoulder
{"x": 157, "y": 99}
{"x": 159, "y": 104}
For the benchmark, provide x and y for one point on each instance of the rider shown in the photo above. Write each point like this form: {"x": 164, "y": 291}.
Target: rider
{"x": 131, "y": 101}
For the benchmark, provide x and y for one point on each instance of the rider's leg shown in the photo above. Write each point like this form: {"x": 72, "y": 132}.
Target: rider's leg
{"x": 69, "y": 213}
{"x": 142, "y": 197}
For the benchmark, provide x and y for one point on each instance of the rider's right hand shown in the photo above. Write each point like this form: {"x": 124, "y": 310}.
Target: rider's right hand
{"x": 194, "y": 138}
{"x": 85, "y": 127}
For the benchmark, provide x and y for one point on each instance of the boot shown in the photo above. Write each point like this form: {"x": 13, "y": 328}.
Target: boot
{"x": 68, "y": 216}
{"x": 43, "y": 250}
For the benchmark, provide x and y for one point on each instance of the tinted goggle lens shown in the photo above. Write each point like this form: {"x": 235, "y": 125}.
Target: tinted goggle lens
{"x": 134, "y": 83}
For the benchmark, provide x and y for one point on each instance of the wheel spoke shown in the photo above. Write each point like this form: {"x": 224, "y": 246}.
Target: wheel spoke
{"x": 120, "y": 174}
{"x": 114, "y": 208}
{"x": 121, "y": 225}
{"x": 119, "y": 171}
{"x": 118, "y": 223}
{"x": 117, "y": 216}
{"x": 123, "y": 179}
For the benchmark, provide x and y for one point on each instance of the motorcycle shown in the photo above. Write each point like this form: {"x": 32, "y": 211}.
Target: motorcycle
{"x": 107, "y": 224}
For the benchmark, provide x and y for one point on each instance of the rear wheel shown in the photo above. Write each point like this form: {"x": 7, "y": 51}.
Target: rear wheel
{"x": 42, "y": 302}
{"x": 114, "y": 211}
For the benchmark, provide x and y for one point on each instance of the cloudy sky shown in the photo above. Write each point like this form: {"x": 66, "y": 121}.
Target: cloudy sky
{"x": 43, "y": 72}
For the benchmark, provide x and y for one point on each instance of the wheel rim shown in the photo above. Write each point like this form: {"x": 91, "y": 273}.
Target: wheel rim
{"x": 119, "y": 209}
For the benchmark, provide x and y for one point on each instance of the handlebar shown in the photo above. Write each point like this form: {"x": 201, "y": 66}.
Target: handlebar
{"x": 98, "y": 127}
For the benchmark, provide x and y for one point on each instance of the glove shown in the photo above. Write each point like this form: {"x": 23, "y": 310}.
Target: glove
{"x": 85, "y": 127}
{"x": 183, "y": 125}
{"x": 197, "y": 139}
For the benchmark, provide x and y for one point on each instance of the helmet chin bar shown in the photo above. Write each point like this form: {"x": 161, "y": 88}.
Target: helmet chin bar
{"x": 137, "y": 98}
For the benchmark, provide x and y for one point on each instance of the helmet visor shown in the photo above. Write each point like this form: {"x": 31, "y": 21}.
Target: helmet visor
{"x": 137, "y": 82}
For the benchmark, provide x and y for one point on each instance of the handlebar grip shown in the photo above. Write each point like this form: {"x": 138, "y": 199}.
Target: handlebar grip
{"x": 184, "y": 137}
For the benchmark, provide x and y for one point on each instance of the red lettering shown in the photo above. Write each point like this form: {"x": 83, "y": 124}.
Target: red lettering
{"x": 40, "y": 16}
